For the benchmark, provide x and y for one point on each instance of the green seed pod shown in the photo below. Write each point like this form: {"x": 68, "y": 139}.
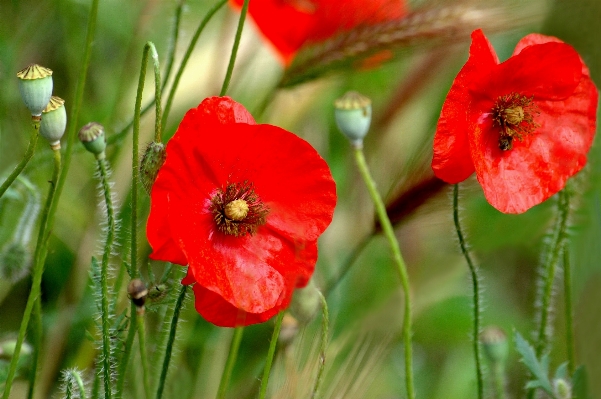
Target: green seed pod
{"x": 353, "y": 116}
{"x": 305, "y": 303}
{"x": 15, "y": 261}
{"x": 92, "y": 137}
{"x": 494, "y": 343}
{"x": 54, "y": 122}
{"x": 151, "y": 162}
{"x": 35, "y": 85}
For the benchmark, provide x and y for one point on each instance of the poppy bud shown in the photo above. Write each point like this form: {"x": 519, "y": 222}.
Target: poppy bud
{"x": 54, "y": 122}
{"x": 14, "y": 261}
{"x": 92, "y": 137}
{"x": 562, "y": 388}
{"x": 137, "y": 292}
{"x": 353, "y": 116}
{"x": 494, "y": 343}
{"x": 152, "y": 160}
{"x": 35, "y": 85}
{"x": 305, "y": 303}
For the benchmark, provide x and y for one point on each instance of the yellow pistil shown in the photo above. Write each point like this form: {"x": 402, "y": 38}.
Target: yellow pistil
{"x": 236, "y": 210}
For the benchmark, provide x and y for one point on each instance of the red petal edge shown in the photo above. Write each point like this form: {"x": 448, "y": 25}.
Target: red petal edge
{"x": 452, "y": 161}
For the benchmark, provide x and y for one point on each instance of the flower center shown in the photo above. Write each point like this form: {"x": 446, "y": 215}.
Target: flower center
{"x": 514, "y": 115}
{"x": 238, "y": 210}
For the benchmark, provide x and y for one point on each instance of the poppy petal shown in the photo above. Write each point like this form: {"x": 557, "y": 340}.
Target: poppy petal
{"x": 452, "y": 162}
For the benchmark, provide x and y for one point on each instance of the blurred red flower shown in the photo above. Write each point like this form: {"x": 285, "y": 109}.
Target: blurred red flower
{"x": 243, "y": 205}
{"x": 524, "y": 125}
{"x": 289, "y": 24}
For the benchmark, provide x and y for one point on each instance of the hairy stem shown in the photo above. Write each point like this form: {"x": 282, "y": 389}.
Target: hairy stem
{"x": 104, "y": 270}
{"x": 569, "y": 315}
{"x": 550, "y": 269}
{"x": 475, "y": 293}
{"x": 169, "y": 347}
{"x": 399, "y": 262}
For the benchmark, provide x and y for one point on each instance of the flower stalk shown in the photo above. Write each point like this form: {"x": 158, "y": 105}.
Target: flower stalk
{"x": 231, "y": 361}
{"x": 550, "y": 270}
{"x": 33, "y": 140}
{"x": 230, "y": 67}
{"x": 171, "y": 339}
{"x": 270, "y": 353}
{"x": 110, "y": 235}
{"x": 569, "y": 314}
{"x": 398, "y": 260}
{"x": 180, "y": 70}
{"x": 475, "y": 294}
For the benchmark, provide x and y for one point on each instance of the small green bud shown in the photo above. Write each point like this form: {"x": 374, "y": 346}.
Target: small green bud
{"x": 152, "y": 160}
{"x": 54, "y": 122}
{"x": 563, "y": 389}
{"x": 305, "y": 303}
{"x": 15, "y": 261}
{"x": 353, "y": 116}
{"x": 35, "y": 85}
{"x": 92, "y": 137}
{"x": 494, "y": 343}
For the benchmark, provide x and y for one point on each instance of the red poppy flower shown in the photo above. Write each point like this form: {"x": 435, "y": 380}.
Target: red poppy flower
{"x": 289, "y": 24}
{"x": 243, "y": 205}
{"x": 524, "y": 125}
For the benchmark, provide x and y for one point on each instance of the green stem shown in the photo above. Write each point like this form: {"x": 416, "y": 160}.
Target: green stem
{"x": 550, "y": 270}
{"x": 325, "y": 323}
{"x": 143, "y": 356}
{"x": 35, "y": 124}
{"x": 108, "y": 246}
{"x": 230, "y": 67}
{"x": 569, "y": 315}
{"x": 270, "y": 353}
{"x": 129, "y": 342}
{"x": 169, "y": 347}
{"x": 75, "y": 375}
{"x": 499, "y": 380}
{"x": 38, "y": 271}
{"x": 231, "y": 361}
{"x": 398, "y": 260}
{"x": 37, "y": 347}
{"x": 116, "y": 138}
{"x": 475, "y": 293}
{"x": 187, "y": 55}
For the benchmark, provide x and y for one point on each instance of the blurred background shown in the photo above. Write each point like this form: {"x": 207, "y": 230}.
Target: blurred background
{"x": 366, "y": 351}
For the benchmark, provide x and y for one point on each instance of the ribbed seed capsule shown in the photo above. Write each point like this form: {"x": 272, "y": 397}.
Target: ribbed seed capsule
{"x": 353, "y": 116}
{"x": 35, "y": 85}
{"x": 92, "y": 137}
{"x": 54, "y": 122}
